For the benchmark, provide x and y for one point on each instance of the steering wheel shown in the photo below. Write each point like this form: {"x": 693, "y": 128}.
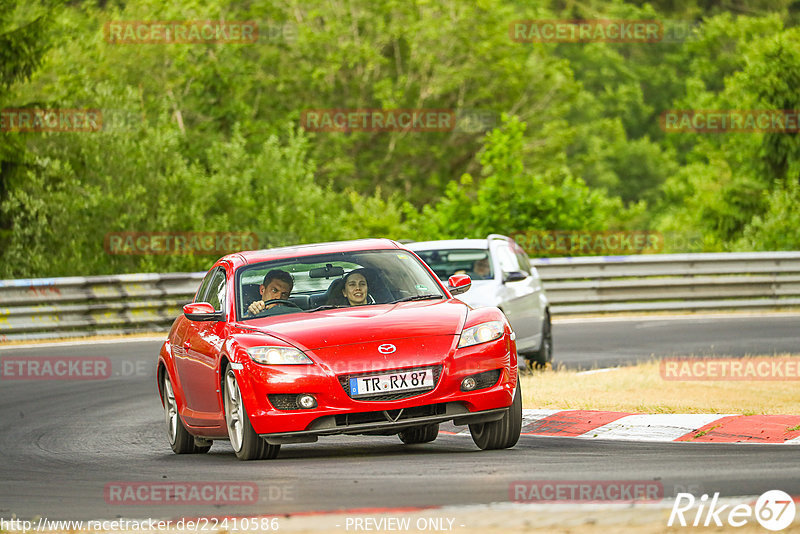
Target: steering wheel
{"x": 279, "y": 302}
{"x": 282, "y": 301}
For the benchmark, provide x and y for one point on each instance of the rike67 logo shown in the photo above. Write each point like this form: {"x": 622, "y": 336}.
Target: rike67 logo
{"x": 774, "y": 510}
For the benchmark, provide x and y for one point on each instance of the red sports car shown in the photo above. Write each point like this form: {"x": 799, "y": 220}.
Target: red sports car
{"x": 289, "y": 344}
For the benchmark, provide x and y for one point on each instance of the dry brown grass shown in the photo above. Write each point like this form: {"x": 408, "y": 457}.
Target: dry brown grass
{"x": 640, "y": 388}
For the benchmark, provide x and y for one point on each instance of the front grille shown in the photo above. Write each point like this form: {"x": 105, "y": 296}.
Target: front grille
{"x": 398, "y": 415}
{"x": 344, "y": 381}
{"x": 283, "y": 401}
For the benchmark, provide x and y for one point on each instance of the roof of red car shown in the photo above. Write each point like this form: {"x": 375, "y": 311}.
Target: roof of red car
{"x": 312, "y": 249}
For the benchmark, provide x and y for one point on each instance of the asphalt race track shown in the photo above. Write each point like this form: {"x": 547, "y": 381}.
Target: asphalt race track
{"x": 585, "y": 344}
{"x": 63, "y": 441}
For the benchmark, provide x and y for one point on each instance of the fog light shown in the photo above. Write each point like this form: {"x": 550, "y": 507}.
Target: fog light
{"x": 306, "y": 402}
{"x": 468, "y": 384}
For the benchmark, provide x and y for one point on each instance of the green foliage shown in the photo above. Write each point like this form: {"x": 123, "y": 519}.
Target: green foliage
{"x": 777, "y": 227}
{"x": 24, "y": 38}
{"x": 733, "y": 184}
{"x": 511, "y": 197}
{"x": 207, "y": 137}
{"x": 75, "y": 197}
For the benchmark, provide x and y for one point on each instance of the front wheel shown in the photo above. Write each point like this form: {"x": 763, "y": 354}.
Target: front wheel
{"x": 419, "y": 434}
{"x": 179, "y": 438}
{"x": 246, "y": 443}
{"x": 504, "y": 433}
{"x": 544, "y": 355}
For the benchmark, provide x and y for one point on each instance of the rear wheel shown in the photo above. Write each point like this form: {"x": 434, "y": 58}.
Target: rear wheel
{"x": 419, "y": 434}
{"x": 504, "y": 433}
{"x": 246, "y": 443}
{"x": 179, "y": 438}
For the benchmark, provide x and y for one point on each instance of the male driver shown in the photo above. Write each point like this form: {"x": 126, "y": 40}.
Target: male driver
{"x": 482, "y": 269}
{"x": 277, "y": 285}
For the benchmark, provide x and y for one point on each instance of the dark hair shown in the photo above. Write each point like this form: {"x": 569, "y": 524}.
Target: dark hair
{"x": 363, "y": 272}
{"x": 277, "y": 274}
{"x": 335, "y": 296}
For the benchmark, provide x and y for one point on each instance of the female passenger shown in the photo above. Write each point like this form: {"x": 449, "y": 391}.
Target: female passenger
{"x": 355, "y": 289}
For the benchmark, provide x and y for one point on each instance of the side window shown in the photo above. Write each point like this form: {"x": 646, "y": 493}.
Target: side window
{"x": 507, "y": 258}
{"x": 524, "y": 261}
{"x": 215, "y": 292}
{"x": 204, "y": 286}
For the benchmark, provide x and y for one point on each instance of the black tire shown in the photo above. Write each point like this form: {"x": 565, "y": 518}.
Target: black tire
{"x": 247, "y": 445}
{"x": 544, "y": 355}
{"x": 419, "y": 434}
{"x": 501, "y": 434}
{"x": 179, "y": 438}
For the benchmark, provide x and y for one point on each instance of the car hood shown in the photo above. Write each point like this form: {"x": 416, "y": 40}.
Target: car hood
{"x": 364, "y": 324}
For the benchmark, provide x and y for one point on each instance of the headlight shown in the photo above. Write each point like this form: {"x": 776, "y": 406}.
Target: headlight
{"x": 480, "y": 333}
{"x": 278, "y": 356}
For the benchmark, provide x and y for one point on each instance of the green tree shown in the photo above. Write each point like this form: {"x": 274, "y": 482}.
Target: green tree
{"x": 25, "y": 36}
{"x": 511, "y": 197}
{"x": 731, "y": 182}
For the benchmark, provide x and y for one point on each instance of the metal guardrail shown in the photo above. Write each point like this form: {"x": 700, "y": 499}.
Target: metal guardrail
{"x": 671, "y": 282}
{"x": 44, "y": 308}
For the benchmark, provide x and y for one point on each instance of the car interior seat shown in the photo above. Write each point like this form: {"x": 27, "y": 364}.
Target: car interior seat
{"x": 333, "y": 296}
{"x": 250, "y": 294}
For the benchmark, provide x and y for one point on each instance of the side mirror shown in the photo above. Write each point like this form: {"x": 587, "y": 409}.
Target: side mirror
{"x": 514, "y": 276}
{"x": 459, "y": 283}
{"x": 202, "y": 311}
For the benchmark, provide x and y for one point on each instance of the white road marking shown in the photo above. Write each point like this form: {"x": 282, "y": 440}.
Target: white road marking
{"x": 652, "y": 427}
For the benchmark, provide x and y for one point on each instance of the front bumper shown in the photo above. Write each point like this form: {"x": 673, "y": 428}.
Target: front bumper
{"x": 384, "y": 422}
{"x": 338, "y": 413}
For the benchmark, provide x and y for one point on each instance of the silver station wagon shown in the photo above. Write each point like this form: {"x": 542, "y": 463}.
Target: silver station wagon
{"x": 502, "y": 276}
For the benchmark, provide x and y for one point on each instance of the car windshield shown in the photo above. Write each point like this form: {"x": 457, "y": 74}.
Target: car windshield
{"x": 476, "y": 263}
{"x": 342, "y": 279}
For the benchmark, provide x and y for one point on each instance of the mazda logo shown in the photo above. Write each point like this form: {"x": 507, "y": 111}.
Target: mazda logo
{"x": 386, "y": 348}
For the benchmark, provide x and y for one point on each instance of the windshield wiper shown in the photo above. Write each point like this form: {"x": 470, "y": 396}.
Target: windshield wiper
{"x": 419, "y": 297}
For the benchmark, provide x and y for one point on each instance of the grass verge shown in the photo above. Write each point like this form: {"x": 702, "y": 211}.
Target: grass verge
{"x": 641, "y": 388}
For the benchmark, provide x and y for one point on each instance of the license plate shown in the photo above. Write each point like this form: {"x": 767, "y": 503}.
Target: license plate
{"x": 391, "y": 382}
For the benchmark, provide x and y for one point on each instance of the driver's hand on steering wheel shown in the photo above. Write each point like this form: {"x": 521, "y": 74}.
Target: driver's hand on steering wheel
{"x": 258, "y": 306}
